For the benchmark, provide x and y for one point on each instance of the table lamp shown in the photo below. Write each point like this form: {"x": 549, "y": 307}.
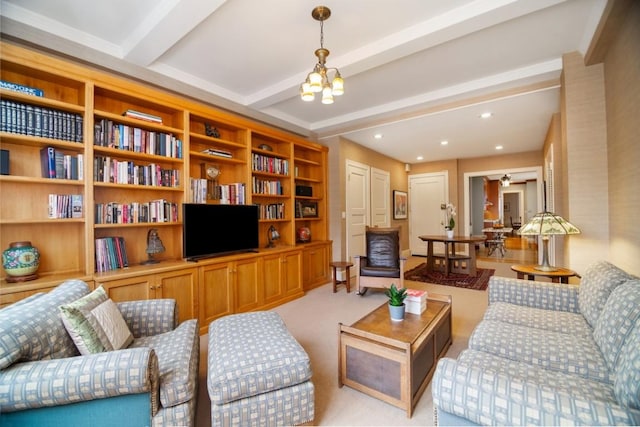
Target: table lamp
{"x": 272, "y": 235}
{"x": 154, "y": 246}
{"x": 546, "y": 224}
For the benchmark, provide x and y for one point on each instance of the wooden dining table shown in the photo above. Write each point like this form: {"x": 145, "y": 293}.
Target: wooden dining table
{"x": 453, "y": 262}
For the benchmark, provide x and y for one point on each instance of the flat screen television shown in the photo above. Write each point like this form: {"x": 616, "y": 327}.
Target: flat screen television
{"x": 216, "y": 230}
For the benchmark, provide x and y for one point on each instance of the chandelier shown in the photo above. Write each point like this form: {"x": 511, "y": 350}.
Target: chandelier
{"x": 505, "y": 180}
{"x": 318, "y": 80}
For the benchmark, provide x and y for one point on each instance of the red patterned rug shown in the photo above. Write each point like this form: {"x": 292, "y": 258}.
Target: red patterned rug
{"x": 479, "y": 283}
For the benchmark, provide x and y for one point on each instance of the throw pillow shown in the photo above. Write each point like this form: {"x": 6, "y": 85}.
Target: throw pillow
{"x": 95, "y": 324}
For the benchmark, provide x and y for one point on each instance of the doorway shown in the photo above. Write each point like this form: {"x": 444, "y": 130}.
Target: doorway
{"x": 427, "y": 192}
{"x": 520, "y": 201}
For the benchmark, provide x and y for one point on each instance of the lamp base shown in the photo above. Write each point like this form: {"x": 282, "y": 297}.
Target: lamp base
{"x": 150, "y": 261}
{"x": 545, "y": 268}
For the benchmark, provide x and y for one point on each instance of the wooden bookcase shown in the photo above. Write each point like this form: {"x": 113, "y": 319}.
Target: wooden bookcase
{"x": 202, "y": 136}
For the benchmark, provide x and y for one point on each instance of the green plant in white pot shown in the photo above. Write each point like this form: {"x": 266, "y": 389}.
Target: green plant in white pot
{"x": 396, "y": 301}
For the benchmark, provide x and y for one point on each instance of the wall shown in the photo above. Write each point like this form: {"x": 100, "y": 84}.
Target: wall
{"x": 622, "y": 96}
{"x": 341, "y": 150}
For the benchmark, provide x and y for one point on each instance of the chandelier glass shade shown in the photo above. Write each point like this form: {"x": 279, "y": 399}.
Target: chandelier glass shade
{"x": 505, "y": 180}
{"x": 318, "y": 80}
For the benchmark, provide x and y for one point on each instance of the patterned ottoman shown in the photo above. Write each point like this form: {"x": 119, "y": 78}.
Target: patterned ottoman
{"x": 258, "y": 374}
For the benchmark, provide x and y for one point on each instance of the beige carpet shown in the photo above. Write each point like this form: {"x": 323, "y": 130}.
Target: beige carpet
{"x": 313, "y": 320}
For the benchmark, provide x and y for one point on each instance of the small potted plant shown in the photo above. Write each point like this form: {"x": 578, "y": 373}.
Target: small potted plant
{"x": 396, "y": 301}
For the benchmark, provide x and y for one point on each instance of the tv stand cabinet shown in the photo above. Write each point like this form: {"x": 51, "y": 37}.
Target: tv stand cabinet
{"x": 207, "y": 289}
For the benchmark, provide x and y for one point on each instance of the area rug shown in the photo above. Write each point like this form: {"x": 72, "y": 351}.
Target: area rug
{"x": 479, "y": 282}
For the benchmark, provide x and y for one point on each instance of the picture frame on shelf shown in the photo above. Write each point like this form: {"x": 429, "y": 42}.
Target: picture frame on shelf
{"x": 400, "y": 204}
{"x": 306, "y": 209}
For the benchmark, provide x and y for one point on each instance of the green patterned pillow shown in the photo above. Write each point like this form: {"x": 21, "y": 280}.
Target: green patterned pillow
{"x": 95, "y": 324}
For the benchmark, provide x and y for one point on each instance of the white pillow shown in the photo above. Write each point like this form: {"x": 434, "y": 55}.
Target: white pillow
{"x": 95, "y": 324}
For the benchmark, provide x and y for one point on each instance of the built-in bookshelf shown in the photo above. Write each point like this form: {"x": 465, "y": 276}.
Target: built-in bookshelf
{"x": 49, "y": 116}
{"x": 125, "y": 157}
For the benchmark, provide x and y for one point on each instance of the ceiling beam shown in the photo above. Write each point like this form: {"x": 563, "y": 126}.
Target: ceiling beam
{"x": 164, "y": 26}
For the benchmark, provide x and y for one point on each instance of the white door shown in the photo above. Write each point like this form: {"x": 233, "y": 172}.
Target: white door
{"x": 427, "y": 192}
{"x": 380, "y": 198}
{"x": 357, "y": 206}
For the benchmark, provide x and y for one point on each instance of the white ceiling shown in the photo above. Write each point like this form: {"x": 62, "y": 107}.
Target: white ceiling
{"x": 416, "y": 71}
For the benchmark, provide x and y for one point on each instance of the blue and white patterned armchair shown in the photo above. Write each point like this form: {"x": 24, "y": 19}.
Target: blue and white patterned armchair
{"x": 549, "y": 354}
{"x": 45, "y": 381}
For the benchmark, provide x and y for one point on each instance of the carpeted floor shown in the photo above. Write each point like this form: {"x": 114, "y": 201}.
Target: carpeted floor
{"x": 313, "y": 321}
{"x": 478, "y": 282}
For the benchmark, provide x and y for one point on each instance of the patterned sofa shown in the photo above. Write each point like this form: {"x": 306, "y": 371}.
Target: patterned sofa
{"x": 45, "y": 381}
{"x": 549, "y": 354}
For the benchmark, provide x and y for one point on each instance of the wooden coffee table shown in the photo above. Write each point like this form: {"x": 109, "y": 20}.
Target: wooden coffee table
{"x": 394, "y": 361}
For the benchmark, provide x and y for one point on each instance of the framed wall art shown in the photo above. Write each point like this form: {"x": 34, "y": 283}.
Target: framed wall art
{"x": 306, "y": 209}
{"x": 400, "y": 204}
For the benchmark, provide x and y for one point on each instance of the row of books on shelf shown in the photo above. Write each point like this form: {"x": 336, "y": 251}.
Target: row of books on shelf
{"x": 34, "y": 120}
{"x": 130, "y": 138}
{"x": 111, "y": 254}
{"x": 57, "y": 165}
{"x": 108, "y": 169}
{"x": 263, "y": 186}
{"x": 201, "y": 190}
{"x": 269, "y": 164}
{"x": 65, "y": 206}
{"x": 271, "y": 210}
{"x": 159, "y": 210}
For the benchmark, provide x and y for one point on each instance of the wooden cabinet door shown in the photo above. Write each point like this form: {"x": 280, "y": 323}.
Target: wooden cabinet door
{"x": 179, "y": 285}
{"x": 291, "y": 273}
{"x": 130, "y": 289}
{"x": 272, "y": 278}
{"x": 216, "y": 292}
{"x": 247, "y": 280}
{"x": 316, "y": 267}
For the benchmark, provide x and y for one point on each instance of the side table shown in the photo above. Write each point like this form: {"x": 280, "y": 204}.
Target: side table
{"x": 346, "y": 265}
{"x": 561, "y": 275}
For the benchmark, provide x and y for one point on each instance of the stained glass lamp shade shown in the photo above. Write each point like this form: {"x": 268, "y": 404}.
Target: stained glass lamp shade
{"x": 546, "y": 224}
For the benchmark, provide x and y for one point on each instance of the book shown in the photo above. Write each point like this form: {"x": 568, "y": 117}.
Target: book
{"x": 48, "y": 162}
{"x": 142, "y": 116}
{"x": 76, "y": 206}
{"x": 15, "y": 87}
{"x": 416, "y": 301}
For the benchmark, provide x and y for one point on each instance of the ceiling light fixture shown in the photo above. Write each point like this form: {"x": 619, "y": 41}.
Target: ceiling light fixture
{"x": 505, "y": 180}
{"x": 445, "y": 142}
{"x": 318, "y": 80}
{"x": 486, "y": 115}
{"x": 378, "y": 136}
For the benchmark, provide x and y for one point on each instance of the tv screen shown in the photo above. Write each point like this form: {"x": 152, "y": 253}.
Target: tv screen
{"x": 214, "y": 230}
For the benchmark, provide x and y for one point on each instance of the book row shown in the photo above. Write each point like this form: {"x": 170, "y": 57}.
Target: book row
{"x": 33, "y": 120}
{"x": 269, "y": 164}
{"x": 56, "y": 164}
{"x": 65, "y": 206}
{"x": 108, "y": 169}
{"x": 271, "y": 211}
{"x": 159, "y": 210}
{"x": 201, "y": 190}
{"x": 263, "y": 186}
{"x": 111, "y": 254}
{"x": 129, "y": 138}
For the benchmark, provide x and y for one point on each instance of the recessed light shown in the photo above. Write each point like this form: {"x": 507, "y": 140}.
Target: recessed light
{"x": 486, "y": 115}
{"x": 445, "y": 142}
{"x": 378, "y": 136}
{"x": 499, "y": 147}
{"x": 419, "y": 158}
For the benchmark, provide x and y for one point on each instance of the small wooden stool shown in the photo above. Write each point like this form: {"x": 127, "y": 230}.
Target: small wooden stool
{"x": 341, "y": 264}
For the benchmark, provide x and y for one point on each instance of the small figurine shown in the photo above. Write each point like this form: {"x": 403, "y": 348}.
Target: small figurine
{"x": 211, "y": 131}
